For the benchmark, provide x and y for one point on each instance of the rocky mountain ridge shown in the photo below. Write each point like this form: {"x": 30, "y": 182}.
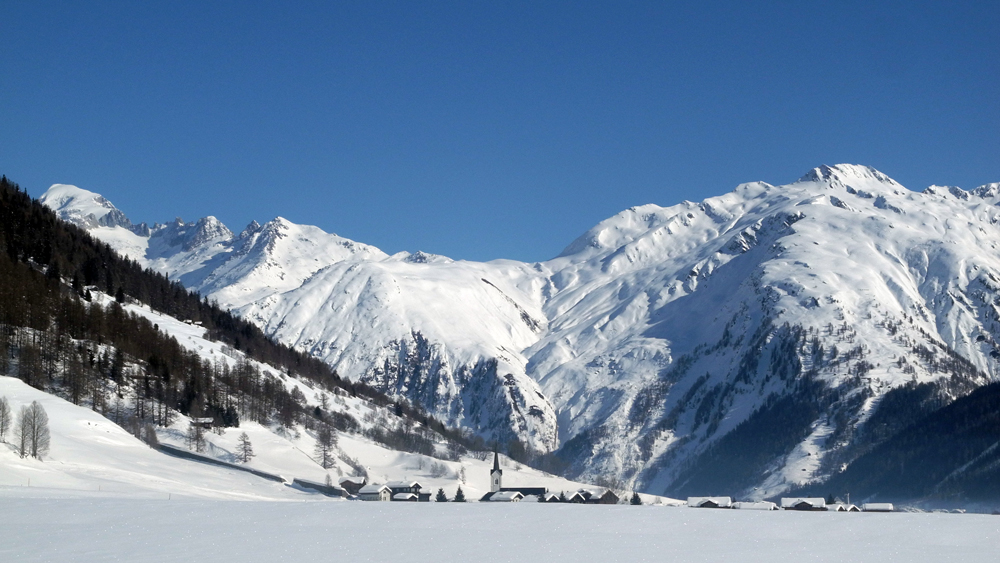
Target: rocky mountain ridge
{"x": 660, "y": 342}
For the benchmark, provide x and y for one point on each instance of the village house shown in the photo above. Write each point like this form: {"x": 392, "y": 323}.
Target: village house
{"x": 710, "y": 502}
{"x": 759, "y": 505}
{"x": 408, "y": 487}
{"x": 878, "y": 507}
{"x": 375, "y": 493}
{"x": 505, "y": 496}
{"x": 352, "y": 484}
{"x": 808, "y": 504}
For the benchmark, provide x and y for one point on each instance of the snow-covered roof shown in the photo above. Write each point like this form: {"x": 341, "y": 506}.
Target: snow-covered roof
{"x": 721, "y": 502}
{"x": 795, "y": 501}
{"x": 878, "y": 507}
{"x": 402, "y": 484}
{"x": 355, "y": 480}
{"x": 404, "y": 496}
{"x": 372, "y": 489}
{"x": 506, "y": 496}
{"x": 762, "y": 505}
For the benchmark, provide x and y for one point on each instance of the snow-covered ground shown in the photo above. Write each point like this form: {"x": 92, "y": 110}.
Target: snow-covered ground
{"x": 37, "y": 529}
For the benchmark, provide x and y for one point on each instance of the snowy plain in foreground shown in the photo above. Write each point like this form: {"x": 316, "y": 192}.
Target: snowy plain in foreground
{"x": 115, "y": 529}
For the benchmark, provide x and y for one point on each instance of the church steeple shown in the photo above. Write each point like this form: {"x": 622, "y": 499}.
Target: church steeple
{"x": 496, "y": 473}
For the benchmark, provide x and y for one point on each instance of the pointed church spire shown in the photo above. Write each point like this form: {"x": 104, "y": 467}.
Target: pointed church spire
{"x": 496, "y": 461}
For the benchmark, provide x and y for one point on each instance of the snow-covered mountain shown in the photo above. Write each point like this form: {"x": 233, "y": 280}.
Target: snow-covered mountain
{"x": 741, "y": 342}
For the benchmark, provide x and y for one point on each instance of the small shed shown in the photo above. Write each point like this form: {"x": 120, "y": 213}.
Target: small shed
{"x": 761, "y": 505}
{"x": 807, "y": 504}
{"x": 548, "y": 497}
{"x": 579, "y": 497}
{"x": 375, "y": 493}
{"x": 842, "y": 507}
{"x": 878, "y": 507}
{"x": 710, "y": 502}
{"x": 204, "y": 422}
{"x": 405, "y": 497}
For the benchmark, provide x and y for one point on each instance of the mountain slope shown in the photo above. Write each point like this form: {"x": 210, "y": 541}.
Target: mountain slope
{"x": 774, "y": 315}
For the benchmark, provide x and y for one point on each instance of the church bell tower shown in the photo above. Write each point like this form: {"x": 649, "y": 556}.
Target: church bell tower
{"x": 495, "y": 474}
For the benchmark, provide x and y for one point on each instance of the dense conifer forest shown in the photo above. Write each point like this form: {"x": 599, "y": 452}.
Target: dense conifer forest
{"x": 56, "y": 337}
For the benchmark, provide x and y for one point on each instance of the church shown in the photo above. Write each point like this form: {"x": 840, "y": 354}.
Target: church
{"x": 499, "y": 493}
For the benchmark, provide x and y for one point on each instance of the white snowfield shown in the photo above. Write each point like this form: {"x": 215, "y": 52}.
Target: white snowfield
{"x": 642, "y": 322}
{"x": 102, "y": 530}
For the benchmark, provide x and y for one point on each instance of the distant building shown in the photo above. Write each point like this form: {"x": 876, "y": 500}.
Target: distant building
{"x": 506, "y": 496}
{"x": 761, "y": 505}
{"x": 405, "y": 497}
{"x": 842, "y": 507}
{"x": 352, "y": 484}
{"x": 496, "y": 482}
{"x": 710, "y": 502}
{"x": 803, "y": 504}
{"x": 375, "y": 493}
{"x": 878, "y": 507}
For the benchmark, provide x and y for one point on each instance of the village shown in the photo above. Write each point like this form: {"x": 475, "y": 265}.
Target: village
{"x": 358, "y": 488}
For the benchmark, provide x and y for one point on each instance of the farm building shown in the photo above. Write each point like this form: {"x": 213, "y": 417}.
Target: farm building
{"x": 761, "y": 505}
{"x": 806, "y": 504}
{"x": 375, "y": 493}
{"x": 352, "y": 484}
{"x": 878, "y": 507}
{"x": 710, "y": 502}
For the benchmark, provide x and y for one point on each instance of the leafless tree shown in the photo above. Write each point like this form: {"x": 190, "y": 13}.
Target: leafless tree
{"x": 4, "y": 418}
{"x": 31, "y": 432}
{"x": 244, "y": 449}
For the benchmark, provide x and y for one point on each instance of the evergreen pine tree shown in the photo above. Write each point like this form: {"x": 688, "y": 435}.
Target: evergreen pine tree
{"x": 459, "y": 495}
{"x": 325, "y": 442}
{"x": 636, "y": 501}
{"x": 440, "y": 496}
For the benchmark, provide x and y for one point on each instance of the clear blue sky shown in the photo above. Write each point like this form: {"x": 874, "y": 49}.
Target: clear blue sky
{"x": 485, "y": 130}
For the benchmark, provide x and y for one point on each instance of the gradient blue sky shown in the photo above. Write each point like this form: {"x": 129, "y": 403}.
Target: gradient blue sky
{"x": 485, "y": 130}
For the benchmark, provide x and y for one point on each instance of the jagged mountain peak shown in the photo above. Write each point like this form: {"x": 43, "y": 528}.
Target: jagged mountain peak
{"x": 660, "y": 330}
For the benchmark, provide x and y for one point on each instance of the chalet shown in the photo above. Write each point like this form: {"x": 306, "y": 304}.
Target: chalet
{"x": 878, "y": 507}
{"x": 762, "y": 505}
{"x": 710, "y": 502}
{"x": 807, "y": 504}
{"x": 204, "y": 422}
{"x": 404, "y": 487}
{"x": 405, "y": 497}
{"x": 375, "y": 492}
{"x": 607, "y": 497}
{"x": 352, "y": 484}
{"x": 548, "y": 497}
{"x": 577, "y": 497}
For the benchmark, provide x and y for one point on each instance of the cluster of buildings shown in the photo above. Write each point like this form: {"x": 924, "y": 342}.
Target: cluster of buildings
{"x": 412, "y": 491}
{"x": 791, "y": 503}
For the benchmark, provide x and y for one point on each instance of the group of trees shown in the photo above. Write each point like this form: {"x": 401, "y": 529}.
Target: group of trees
{"x": 55, "y": 336}
{"x": 441, "y": 497}
{"x": 29, "y": 429}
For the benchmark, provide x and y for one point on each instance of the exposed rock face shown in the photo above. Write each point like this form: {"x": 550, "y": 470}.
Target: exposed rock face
{"x": 740, "y": 344}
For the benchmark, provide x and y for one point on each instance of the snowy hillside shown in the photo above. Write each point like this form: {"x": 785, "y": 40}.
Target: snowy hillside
{"x": 658, "y": 344}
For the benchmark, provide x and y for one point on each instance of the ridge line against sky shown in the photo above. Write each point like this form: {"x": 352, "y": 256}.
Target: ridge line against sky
{"x": 482, "y": 131}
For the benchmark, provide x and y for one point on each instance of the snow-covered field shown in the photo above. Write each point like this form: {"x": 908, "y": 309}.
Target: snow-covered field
{"x": 109, "y": 529}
